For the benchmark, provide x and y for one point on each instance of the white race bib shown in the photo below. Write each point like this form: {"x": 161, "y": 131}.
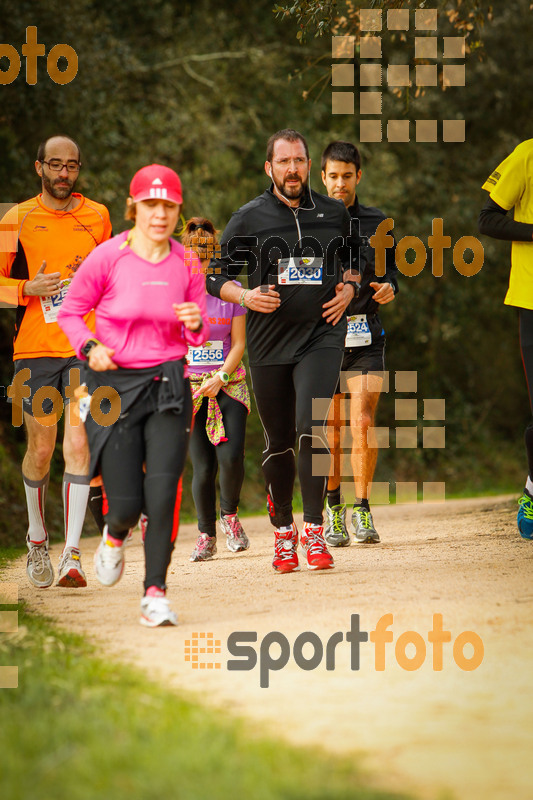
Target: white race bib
{"x": 51, "y": 305}
{"x": 300, "y": 271}
{"x": 210, "y": 354}
{"x": 358, "y": 333}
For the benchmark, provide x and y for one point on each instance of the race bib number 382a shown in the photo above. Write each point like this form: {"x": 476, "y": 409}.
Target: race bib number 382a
{"x": 210, "y": 355}
{"x": 307, "y": 271}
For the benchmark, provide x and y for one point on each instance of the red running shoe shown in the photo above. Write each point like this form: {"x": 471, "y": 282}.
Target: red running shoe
{"x": 285, "y": 555}
{"x": 312, "y": 541}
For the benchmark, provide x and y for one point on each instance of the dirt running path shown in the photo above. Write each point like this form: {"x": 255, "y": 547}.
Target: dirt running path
{"x": 469, "y": 732}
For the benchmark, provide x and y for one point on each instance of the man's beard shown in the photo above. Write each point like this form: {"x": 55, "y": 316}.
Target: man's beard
{"x": 292, "y": 192}
{"x": 59, "y": 192}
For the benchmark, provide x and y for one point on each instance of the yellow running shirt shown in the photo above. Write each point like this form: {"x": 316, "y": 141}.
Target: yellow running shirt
{"x": 511, "y": 186}
{"x": 63, "y": 240}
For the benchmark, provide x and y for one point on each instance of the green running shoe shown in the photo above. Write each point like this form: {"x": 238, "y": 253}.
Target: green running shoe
{"x": 524, "y": 517}
{"x": 335, "y": 532}
{"x": 363, "y": 524}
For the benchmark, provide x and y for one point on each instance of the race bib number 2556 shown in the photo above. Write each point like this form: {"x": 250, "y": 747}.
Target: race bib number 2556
{"x": 211, "y": 354}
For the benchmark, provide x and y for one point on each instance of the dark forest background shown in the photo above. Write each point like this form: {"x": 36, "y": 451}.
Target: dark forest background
{"x": 200, "y": 87}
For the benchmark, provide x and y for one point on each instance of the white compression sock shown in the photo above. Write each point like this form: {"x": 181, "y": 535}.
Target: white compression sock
{"x": 529, "y": 485}
{"x": 35, "y": 501}
{"x": 75, "y": 496}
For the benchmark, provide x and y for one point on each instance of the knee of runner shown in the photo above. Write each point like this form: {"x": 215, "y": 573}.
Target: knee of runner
{"x": 41, "y": 451}
{"x": 363, "y": 421}
{"x": 204, "y": 472}
{"x": 317, "y": 442}
{"x": 231, "y": 461}
{"x": 123, "y": 517}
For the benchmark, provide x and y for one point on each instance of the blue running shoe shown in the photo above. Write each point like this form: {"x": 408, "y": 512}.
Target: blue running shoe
{"x": 524, "y": 517}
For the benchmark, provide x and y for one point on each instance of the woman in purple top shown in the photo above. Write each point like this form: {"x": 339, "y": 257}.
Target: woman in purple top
{"x": 149, "y": 304}
{"x": 221, "y": 404}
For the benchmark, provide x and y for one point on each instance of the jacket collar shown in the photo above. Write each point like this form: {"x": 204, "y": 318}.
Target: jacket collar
{"x": 353, "y": 211}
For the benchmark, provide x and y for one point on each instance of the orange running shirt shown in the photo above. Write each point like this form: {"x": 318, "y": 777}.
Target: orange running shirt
{"x": 63, "y": 240}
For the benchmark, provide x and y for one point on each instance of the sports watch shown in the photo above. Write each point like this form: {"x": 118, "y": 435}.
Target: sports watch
{"x": 88, "y": 346}
{"x": 224, "y": 377}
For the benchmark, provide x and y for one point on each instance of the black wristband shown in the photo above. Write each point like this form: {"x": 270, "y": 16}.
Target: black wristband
{"x": 88, "y": 346}
{"x": 355, "y": 287}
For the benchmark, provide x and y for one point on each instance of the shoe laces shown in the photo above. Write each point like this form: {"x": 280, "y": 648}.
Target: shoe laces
{"x": 157, "y": 605}
{"x": 70, "y": 553}
{"x": 37, "y": 556}
{"x": 364, "y": 518}
{"x": 111, "y": 555}
{"x": 203, "y": 543}
{"x": 234, "y": 524}
{"x": 314, "y": 539}
{"x": 526, "y": 504}
{"x": 337, "y": 521}
{"x": 284, "y": 544}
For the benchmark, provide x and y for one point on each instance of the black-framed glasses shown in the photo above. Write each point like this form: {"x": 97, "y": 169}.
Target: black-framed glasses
{"x": 56, "y": 165}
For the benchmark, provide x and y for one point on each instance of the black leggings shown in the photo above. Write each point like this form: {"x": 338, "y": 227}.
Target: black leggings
{"x": 158, "y": 440}
{"x": 228, "y": 457}
{"x": 525, "y": 317}
{"x": 284, "y": 394}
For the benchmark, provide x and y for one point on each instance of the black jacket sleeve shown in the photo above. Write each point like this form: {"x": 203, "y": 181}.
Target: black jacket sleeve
{"x": 391, "y": 270}
{"x": 494, "y": 222}
{"x": 235, "y": 255}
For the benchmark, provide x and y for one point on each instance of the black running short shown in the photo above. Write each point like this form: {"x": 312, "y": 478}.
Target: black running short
{"x": 369, "y": 358}
{"x": 46, "y": 374}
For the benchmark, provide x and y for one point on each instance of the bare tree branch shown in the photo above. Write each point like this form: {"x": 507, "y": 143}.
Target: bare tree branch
{"x": 176, "y": 62}
{"x": 195, "y": 76}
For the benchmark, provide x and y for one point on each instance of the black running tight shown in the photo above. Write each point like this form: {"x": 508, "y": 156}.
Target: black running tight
{"x": 284, "y": 394}
{"x": 160, "y": 441}
{"x": 227, "y": 458}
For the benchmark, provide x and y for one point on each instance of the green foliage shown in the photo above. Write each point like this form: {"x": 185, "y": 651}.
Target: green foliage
{"x": 317, "y": 17}
{"x": 81, "y": 728}
{"x": 200, "y": 86}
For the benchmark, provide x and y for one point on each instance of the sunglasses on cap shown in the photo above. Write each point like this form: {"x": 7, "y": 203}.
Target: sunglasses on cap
{"x": 207, "y": 227}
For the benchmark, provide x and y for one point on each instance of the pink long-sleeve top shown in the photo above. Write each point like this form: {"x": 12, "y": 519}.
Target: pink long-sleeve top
{"x": 133, "y": 300}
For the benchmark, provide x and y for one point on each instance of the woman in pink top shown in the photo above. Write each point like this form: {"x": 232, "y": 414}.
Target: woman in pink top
{"x": 149, "y": 307}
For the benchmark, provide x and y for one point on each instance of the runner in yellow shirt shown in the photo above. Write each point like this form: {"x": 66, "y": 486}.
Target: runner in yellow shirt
{"x": 511, "y": 186}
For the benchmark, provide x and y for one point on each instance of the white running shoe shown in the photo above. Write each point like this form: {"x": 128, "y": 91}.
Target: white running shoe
{"x": 71, "y": 574}
{"x": 108, "y": 561}
{"x": 39, "y": 567}
{"x": 236, "y": 539}
{"x": 156, "y": 612}
{"x": 205, "y": 548}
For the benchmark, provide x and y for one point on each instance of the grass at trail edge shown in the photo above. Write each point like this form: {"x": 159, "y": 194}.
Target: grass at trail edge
{"x": 81, "y": 728}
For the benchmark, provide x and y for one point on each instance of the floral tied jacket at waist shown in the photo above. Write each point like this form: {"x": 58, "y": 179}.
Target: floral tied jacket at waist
{"x": 236, "y": 388}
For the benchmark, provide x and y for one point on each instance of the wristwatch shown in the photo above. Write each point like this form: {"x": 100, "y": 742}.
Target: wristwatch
{"x": 224, "y": 377}
{"x": 88, "y": 346}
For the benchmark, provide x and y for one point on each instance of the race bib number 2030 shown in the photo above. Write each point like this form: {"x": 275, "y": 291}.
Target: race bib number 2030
{"x": 306, "y": 271}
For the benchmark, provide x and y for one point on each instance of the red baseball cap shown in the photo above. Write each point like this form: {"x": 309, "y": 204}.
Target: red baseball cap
{"x": 156, "y": 182}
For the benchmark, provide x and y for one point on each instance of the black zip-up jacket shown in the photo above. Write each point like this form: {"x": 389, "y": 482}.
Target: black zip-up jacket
{"x": 256, "y": 237}
{"x": 369, "y": 219}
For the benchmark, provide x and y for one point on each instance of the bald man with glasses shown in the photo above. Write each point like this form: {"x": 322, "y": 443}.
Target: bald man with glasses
{"x": 55, "y": 231}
